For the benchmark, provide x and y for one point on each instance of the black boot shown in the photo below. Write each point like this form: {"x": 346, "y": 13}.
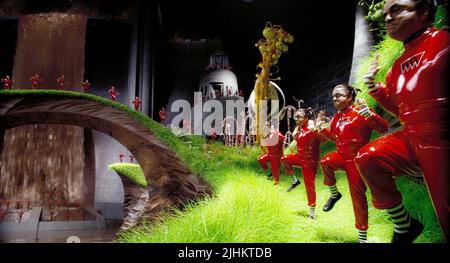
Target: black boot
{"x": 414, "y": 231}
{"x": 294, "y": 184}
{"x": 330, "y": 203}
{"x": 269, "y": 176}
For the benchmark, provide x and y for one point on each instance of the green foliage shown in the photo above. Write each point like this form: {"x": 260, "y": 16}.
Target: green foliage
{"x": 388, "y": 50}
{"x": 416, "y": 201}
{"x": 131, "y": 171}
{"x": 374, "y": 14}
{"x": 441, "y": 18}
{"x": 248, "y": 208}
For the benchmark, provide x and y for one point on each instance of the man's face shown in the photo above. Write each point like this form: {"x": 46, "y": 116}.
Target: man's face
{"x": 341, "y": 98}
{"x": 402, "y": 19}
{"x": 300, "y": 118}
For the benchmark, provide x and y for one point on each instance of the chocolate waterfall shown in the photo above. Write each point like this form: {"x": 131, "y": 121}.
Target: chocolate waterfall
{"x": 47, "y": 162}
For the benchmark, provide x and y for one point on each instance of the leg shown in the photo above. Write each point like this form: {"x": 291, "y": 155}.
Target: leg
{"x": 330, "y": 163}
{"x": 381, "y": 159}
{"x": 275, "y": 163}
{"x": 309, "y": 171}
{"x": 263, "y": 159}
{"x": 433, "y": 154}
{"x": 378, "y": 162}
{"x": 358, "y": 194}
{"x": 289, "y": 161}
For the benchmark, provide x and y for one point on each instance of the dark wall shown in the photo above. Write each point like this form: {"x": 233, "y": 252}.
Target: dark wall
{"x": 107, "y": 56}
{"x": 107, "y": 53}
{"x": 319, "y": 58}
{"x": 8, "y": 31}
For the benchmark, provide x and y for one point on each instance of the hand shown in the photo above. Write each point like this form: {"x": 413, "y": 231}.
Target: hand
{"x": 321, "y": 124}
{"x": 369, "y": 78}
{"x": 321, "y": 121}
{"x": 365, "y": 111}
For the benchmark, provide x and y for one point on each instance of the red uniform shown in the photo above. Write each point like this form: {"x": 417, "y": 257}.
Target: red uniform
{"x": 7, "y": 82}
{"x": 86, "y": 86}
{"x": 162, "y": 115}
{"x": 61, "y": 81}
{"x": 307, "y": 158}
{"x": 416, "y": 92}
{"x": 351, "y": 131}
{"x": 137, "y": 103}
{"x": 113, "y": 93}
{"x": 275, "y": 152}
{"x": 35, "y": 81}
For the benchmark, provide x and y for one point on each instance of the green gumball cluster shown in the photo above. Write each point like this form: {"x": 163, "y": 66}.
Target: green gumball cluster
{"x": 275, "y": 43}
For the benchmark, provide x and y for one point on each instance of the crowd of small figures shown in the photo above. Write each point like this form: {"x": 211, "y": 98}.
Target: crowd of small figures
{"x": 59, "y": 210}
{"x": 61, "y": 84}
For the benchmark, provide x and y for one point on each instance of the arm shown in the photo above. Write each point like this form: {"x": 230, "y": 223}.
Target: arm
{"x": 375, "y": 121}
{"x": 323, "y": 138}
{"x": 322, "y": 135}
{"x": 326, "y": 133}
{"x": 379, "y": 91}
{"x": 378, "y": 123}
{"x": 382, "y": 96}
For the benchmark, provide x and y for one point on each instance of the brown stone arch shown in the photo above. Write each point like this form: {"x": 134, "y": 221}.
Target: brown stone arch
{"x": 170, "y": 182}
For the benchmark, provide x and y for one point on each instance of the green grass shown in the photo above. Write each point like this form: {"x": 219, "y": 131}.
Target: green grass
{"x": 389, "y": 50}
{"x": 246, "y": 207}
{"x": 131, "y": 171}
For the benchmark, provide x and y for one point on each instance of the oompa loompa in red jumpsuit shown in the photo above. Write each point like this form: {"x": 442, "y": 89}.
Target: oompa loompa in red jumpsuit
{"x": 351, "y": 131}
{"x": 307, "y": 158}
{"x": 416, "y": 91}
{"x": 273, "y": 146}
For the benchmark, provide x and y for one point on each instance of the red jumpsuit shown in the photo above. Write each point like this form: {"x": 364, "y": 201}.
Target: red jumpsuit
{"x": 351, "y": 131}
{"x": 113, "y": 93}
{"x": 416, "y": 92}
{"x": 162, "y": 115}
{"x": 137, "y": 102}
{"x": 307, "y": 158}
{"x": 35, "y": 81}
{"x": 7, "y": 82}
{"x": 61, "y": 81}
{"x": 86, "y": 86}
{"x": 275, "y": 152}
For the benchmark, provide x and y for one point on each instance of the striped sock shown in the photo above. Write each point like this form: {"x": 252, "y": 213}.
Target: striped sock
{"x": 362, "y": 236}
{"x": 333, "y": 191}
{"x": 312, "y": 211}
{"x": 400, "y": 218}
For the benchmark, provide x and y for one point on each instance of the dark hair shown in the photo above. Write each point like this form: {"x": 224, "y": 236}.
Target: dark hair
{"x": 309, "y": 112}
{"x": 350, "y": 89}
{"x": 420, "y": 5}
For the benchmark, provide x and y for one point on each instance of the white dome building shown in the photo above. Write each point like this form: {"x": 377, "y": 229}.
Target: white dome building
{"x": 219, "y": 83}
{"x": 218, "y": 80}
